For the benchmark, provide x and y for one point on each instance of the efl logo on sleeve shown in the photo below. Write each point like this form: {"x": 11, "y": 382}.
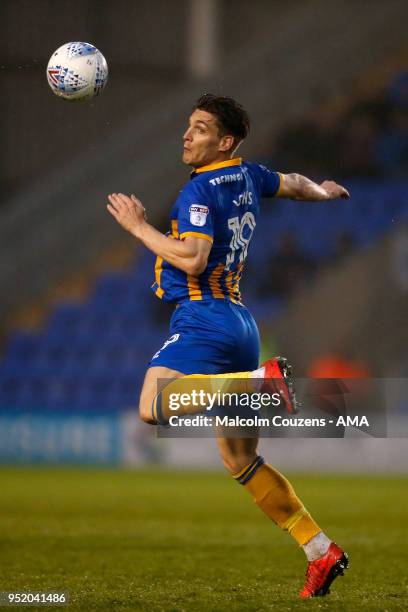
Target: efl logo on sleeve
{"x": 198, "y": 214}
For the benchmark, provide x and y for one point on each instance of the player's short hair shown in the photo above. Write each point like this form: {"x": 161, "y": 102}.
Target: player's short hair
{"x": 231, "y": 116}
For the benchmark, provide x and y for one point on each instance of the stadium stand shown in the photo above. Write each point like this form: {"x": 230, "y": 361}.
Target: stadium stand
{"x": 93, "y": 355}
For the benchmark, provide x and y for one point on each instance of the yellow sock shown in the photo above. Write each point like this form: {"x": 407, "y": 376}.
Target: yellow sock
{"x": 191, "y": 386}
{"x": 274, "y": 494}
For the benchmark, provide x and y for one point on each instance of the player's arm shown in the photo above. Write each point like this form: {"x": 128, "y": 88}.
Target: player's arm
{"x": 298, "y": 187}
{"x": 189, "y": 255}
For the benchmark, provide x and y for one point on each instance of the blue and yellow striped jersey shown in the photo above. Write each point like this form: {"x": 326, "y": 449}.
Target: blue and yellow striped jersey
{"x": 221, "y": 204}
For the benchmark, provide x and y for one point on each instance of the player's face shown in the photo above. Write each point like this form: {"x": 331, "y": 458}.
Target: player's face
{"x": 202, "y": 142}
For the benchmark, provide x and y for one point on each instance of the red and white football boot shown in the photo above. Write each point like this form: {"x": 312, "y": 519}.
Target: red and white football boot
{"x": 278, "y": 379}
{"x": 321, "y": 573}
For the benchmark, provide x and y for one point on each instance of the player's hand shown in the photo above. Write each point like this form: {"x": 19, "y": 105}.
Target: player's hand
{"x": 334, "y": 190}
{"x": 129, "y": 212}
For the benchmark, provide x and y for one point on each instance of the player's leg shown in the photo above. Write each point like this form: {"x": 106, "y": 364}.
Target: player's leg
{"x": 237, "y": 453}
{"x": 272, "y": 377}
{"x": 272, "y": 492}
{"x": 275, "y": 496}
{"x": 161, "y": 382}
{"x": 150, "y": 390}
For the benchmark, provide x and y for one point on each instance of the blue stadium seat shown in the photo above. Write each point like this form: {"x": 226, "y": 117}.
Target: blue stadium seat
{"x": 22, "y": 347}
{"x": 66, "y": 317}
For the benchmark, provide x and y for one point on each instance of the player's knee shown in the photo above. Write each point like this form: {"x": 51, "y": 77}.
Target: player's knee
{"x": 145, "y": 412}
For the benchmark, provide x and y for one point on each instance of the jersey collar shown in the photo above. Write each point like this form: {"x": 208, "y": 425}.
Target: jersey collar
{"x": 237, "y": 161}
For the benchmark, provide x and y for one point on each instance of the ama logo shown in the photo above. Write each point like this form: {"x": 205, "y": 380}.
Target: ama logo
{"x": 352, "y": 421}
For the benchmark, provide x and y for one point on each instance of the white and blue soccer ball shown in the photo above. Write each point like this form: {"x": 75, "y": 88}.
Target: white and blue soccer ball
{"x": 77, "y": 71}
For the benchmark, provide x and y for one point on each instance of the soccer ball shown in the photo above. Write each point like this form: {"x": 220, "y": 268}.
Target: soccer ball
{"x": 77, "y": 71}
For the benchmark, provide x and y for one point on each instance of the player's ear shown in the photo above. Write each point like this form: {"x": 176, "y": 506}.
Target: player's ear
{"x": 226, "y": 143}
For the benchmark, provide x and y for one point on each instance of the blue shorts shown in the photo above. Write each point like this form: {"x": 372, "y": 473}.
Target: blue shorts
{"x": 210, "y": 337}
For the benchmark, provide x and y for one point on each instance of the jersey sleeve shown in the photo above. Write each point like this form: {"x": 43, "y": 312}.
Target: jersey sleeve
{"x": 195, "y": 213}
{"x": 271, "y": 182}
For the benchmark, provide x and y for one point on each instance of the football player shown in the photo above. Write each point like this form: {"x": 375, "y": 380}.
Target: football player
{"x": 199, "y": 265}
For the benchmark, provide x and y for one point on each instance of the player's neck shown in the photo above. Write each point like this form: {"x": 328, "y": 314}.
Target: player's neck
{"x": 219, "y": 161}
{"x": 221, "y": 158}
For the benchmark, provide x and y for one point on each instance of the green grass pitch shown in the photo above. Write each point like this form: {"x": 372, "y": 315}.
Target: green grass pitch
{"x": 175, "y": 541}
